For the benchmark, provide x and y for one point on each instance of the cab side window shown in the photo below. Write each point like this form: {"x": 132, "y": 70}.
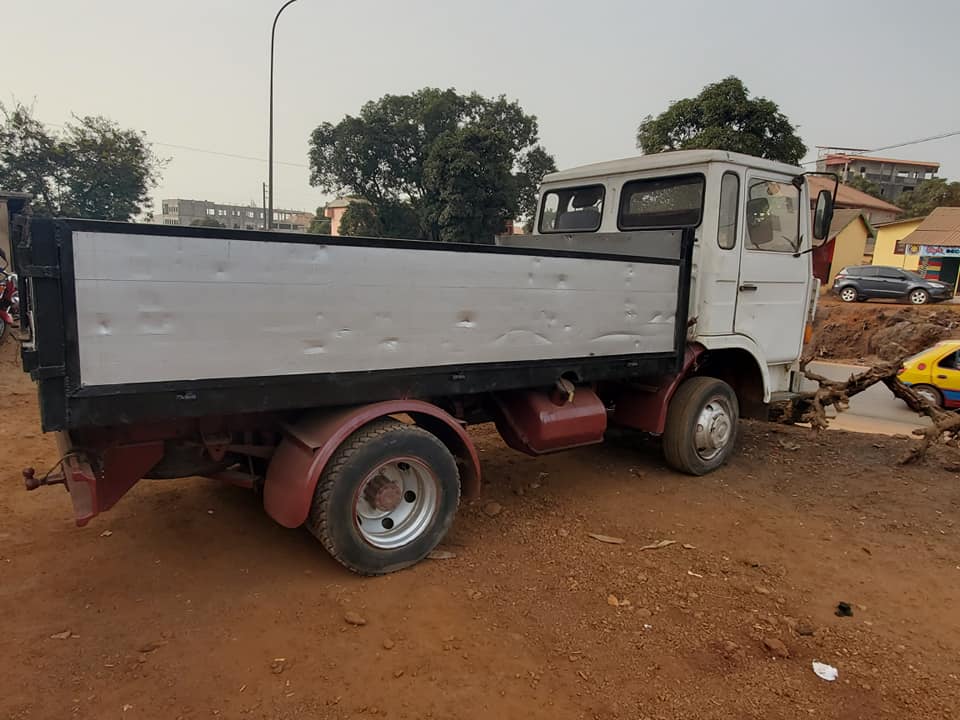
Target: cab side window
{"x": 729, "y": 207}
{"x": 773, "y": 216}
{"x": 667, "y": 202}
{"x": 578, "y": 209}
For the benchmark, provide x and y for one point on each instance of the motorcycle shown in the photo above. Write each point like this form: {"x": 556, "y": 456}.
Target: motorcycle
{"x": 9, "y": 298}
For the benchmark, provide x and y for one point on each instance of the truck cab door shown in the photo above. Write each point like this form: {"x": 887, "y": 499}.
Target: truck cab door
{"x": 774, "y": 284}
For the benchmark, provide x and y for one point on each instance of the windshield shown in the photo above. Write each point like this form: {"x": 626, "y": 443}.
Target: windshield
{"x": 913, "y": 275}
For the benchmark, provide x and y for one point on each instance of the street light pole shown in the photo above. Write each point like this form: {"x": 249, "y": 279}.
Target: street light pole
{"x": 273, "y": 32}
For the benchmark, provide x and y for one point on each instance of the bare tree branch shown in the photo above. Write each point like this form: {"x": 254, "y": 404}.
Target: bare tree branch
{"x": 810, "y": 407}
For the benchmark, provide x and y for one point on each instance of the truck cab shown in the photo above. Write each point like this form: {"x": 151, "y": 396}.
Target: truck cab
{"x": 752, "y": 290}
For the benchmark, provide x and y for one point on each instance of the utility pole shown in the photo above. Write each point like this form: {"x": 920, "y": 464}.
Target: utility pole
{"x": 273, "y": 32}
{"x": 265, "y": 206}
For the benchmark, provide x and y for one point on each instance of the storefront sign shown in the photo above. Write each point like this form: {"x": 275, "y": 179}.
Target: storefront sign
{"x": 939, "y": 251}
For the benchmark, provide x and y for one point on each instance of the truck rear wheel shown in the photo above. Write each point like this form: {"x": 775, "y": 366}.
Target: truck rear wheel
{"x": 386, "y": 498}
{"x": 701, "y": 427}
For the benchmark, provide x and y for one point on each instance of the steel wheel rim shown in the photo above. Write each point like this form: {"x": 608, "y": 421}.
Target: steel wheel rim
{"x": 714, "y": 428}
{"x": 918, "y": 297}
{"x": 848, "y": 294}
{"x": 929, "y": 395}
{"x": 415, "y": 489}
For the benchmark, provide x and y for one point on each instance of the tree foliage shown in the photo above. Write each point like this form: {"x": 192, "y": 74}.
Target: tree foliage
{"x": 92, "y": 169}
{"x": 927, "y": 196}
{"x": 421, "y": 162}
{"x": 320, "y": 225}
{"x": 723, "y": 117}
{"x": 858, "y": 182}
{"x": 390, "y": 219}
{"x": 360, "y": 219}
{"x": 471, "y": 192}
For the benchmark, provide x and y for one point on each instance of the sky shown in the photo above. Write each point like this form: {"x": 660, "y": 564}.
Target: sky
{"x": 194, "y": 73}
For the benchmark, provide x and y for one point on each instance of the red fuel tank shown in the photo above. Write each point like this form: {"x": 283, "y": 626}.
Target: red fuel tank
{"x": 538, "y": 422}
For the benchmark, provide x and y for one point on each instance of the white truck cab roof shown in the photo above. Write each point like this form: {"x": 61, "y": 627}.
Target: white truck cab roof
{"x": 673, "y": 159}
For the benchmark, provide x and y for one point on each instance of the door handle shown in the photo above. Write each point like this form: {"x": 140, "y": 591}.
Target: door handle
{"x": 748, "y": 287}
{"x": 941, "y": 377}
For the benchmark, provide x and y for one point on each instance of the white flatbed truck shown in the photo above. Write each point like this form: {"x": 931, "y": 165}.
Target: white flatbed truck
{"x": 667, "y": 294}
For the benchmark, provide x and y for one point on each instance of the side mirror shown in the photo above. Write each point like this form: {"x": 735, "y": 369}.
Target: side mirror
{"x": 823, "y": 215}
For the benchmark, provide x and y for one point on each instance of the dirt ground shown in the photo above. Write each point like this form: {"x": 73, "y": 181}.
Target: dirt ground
{"x": 187, "y": 601}
{"x": 865, "y": 332}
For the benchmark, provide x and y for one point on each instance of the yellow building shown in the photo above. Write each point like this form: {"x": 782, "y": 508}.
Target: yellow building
{"x": 850, "y": 234}
{"x": 888, "y": 235}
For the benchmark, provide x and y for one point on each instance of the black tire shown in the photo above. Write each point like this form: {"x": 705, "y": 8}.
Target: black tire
{"x": 689, "y": 402}
{"x": 848, "y": 297}
{"x": 335, "y": 518}
{"x": 918, "y": 296}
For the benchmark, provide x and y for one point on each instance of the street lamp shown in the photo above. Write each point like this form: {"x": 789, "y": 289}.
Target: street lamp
{"x": 273, "y": 32}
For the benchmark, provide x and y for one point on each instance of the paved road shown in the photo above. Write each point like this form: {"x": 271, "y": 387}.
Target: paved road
{"x": 874, "y": 410}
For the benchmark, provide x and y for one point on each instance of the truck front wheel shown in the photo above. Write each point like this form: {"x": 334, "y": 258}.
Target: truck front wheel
{"x": 701, "y": 427}
{"x": 386, "y": 498}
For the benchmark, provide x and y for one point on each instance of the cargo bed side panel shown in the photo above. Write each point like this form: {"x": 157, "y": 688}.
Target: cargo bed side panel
{"x": 185, "y": 308}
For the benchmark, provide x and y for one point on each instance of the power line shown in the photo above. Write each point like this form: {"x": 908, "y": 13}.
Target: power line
{"x": 226, "y": 154}
{"x": 941, "y": 136}
{"x": 917, "y": 142}
{"x": 220, "y": 153}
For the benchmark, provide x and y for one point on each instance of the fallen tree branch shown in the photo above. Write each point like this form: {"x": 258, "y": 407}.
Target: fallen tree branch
{"x": 946, "y": 425}
{"x": 811, "y": 406}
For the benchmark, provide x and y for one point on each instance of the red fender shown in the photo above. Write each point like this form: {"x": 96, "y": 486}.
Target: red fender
{"x": 299, "y": 461}
{"x": 647, "y": 411}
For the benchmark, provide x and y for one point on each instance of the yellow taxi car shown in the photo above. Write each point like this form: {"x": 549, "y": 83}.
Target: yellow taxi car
{"x": 935, "y": 373}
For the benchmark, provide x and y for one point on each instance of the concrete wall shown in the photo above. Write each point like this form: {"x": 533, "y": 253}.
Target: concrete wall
{"x": 887, "y": 239}
{"x": 336, "y": 216}
{"x": 877, "y": 217}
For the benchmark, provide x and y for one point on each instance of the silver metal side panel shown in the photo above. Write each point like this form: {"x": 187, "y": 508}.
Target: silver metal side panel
{"x": 168, "y": 308}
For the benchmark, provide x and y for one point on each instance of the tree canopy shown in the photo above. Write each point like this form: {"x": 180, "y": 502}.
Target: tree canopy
{"x": 858, "y": 182}
{"x": 723, "y": 117}
{"x": 91, "y": 169}
{"x": 927, "y": 196}
{"x": 320, "y": 225}
{"x": 433, "y": 164}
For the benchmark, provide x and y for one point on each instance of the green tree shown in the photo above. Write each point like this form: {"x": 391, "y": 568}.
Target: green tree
{"x": 471, "y": 192}
{"x": 857, "y": 182}
{"x": 382, "y": 155}
{"x": 393, "y": 218}
{"x": 532, "y": 167}
{"x": 92, "y": 169}
{"x": 360, "y": 219}
{"x": 320, "y": 225}
{"x": 927, "y": 196}
{"x": 207, "y": 222}
{"x": 723, "y": 117}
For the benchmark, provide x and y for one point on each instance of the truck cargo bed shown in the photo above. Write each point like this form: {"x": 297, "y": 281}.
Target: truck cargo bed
{"x": 136, "y": 322}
